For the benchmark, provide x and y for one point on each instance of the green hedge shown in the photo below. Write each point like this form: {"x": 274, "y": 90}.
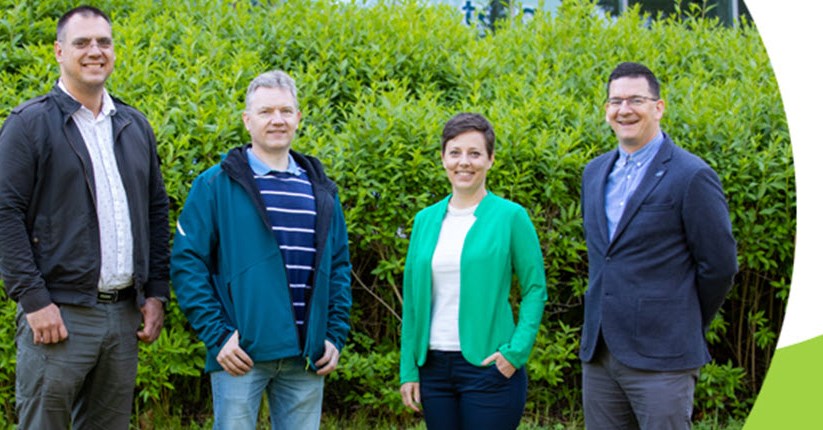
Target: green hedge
{"x": 376, "y": 85}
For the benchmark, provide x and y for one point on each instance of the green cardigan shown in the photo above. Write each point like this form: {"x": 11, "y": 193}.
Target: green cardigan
{"x": 502, "y": 242}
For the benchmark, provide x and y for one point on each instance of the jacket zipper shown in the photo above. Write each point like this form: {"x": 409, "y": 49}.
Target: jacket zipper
{"x": 304, "y": 346}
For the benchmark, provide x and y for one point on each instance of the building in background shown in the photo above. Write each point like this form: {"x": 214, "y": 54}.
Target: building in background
{"x": 728, "y": 11}
{"x": 486, "y": 12}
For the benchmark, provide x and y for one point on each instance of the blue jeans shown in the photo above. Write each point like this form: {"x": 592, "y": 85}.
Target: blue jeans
{"x": 459, "y": 395}
{"x": 295, "y": 396}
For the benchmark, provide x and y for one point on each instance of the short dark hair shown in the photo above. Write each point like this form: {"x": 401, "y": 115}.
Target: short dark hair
{"x": 465, "y": 122}
{"x": 634, "y": 70}
{"x": 84, "y": 10}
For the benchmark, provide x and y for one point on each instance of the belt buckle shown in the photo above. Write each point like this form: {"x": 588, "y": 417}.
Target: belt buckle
{"x": 107, "y": 296}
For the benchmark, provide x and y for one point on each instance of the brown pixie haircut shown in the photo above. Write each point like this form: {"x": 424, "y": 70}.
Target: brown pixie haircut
{"x": 465, "y": 122}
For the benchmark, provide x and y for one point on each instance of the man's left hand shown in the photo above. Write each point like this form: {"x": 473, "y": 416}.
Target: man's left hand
{"x": 153, "y": 315}
{"x": 328, "y": 362}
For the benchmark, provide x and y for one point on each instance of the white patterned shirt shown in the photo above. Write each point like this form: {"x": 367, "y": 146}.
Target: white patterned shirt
{"x": 114, "y": 221}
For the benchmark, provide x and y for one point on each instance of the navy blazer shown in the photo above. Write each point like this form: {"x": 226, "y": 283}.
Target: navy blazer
{"x": 656, "y": 286}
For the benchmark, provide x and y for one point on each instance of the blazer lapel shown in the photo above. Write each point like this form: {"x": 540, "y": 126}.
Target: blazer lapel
{"x": 599, "y": 189}
{"x": 655, "y": 172}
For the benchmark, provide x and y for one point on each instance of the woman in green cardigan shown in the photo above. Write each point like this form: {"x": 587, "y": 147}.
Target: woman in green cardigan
{"x": 462, "y": 355}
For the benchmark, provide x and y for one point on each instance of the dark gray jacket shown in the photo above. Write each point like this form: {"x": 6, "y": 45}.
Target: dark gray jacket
{"x": 49, "y": 235}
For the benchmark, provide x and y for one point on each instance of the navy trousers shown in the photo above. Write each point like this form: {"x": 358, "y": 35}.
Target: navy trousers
{"x": 458, "y": 395}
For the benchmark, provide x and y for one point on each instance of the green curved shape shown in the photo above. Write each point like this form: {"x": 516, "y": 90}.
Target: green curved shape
{"x": 792, "y": 394}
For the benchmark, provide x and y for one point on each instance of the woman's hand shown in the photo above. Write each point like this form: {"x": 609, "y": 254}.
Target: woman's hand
{"x": 503, "y": 365}
{"x": 411, "y": 395}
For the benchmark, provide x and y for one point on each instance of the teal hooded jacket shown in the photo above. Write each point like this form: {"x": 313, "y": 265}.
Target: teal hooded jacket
{"x": 228, "y": 273}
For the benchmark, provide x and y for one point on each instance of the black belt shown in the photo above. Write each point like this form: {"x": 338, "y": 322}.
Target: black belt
{"x": 115, "y": 296}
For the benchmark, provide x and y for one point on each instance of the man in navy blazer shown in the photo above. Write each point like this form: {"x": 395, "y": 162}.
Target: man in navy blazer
{"x": 661, "y": 260}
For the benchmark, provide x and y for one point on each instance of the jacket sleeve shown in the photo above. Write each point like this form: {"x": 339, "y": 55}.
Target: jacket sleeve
{"x": 408, "y": 343}
{"x": 192, "y": 267}
{"x": 340, "y": 280}
{"x": 527, "y": 260}
{"x": 710, "y": 241}
{"x": 18, "y": 164}
{"x": 158, "y": 281}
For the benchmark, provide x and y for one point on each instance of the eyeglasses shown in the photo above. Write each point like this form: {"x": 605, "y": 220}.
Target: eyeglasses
{"x": 634, "y": 101}
{"x": 85, "y": 43}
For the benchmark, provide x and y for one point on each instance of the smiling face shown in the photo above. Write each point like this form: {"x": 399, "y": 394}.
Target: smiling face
{"x": 634, "y": 126}
{"x": 467, "y": 161}
{"x": 85, "y": 52}
{"x": 272, "y": 119}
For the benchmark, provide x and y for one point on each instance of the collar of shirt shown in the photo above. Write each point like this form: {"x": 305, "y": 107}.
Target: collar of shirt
{"x": 107, "y": 109}
{"x": 643, "y": 155}
{"x": 260, "y": 168}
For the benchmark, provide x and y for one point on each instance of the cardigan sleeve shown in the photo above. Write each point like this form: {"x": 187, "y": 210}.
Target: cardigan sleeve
{"x": 527, "y": 261}
{"x": 408, "y": 337}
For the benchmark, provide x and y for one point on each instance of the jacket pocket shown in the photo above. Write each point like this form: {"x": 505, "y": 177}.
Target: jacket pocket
{"x": 659, "y": 327}
{"x": 655, "y": 207}
{"x": 66, "y": 248}
{"x": 40, "y": 238}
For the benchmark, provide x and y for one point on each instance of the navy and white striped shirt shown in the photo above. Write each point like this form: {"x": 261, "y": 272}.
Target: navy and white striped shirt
{"x": 290, "y": 205}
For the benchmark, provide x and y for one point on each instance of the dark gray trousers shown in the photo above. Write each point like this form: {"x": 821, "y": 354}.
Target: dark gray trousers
{"x": 85, "y": 382}
{"x": 616, "y": 396}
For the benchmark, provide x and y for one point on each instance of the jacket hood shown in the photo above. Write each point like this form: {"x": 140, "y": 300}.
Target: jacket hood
{"x": 235, "y": 164}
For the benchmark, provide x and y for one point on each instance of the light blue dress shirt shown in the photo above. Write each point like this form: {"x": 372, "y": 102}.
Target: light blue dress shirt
{"x": 259, "y": 168}
{"x": 624, "y": 178}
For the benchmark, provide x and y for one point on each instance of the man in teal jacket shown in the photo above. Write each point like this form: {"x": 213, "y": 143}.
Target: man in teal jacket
{"x": 260, "y": 265}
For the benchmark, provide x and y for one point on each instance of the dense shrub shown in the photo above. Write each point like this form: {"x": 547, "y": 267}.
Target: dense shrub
{"x": 376, "y": 84}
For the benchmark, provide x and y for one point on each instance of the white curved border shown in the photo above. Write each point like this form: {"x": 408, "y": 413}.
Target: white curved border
{"x": 792, "y": 32}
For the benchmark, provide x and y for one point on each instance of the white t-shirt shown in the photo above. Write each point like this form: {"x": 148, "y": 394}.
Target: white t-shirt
{"x": 444, "y": 334}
